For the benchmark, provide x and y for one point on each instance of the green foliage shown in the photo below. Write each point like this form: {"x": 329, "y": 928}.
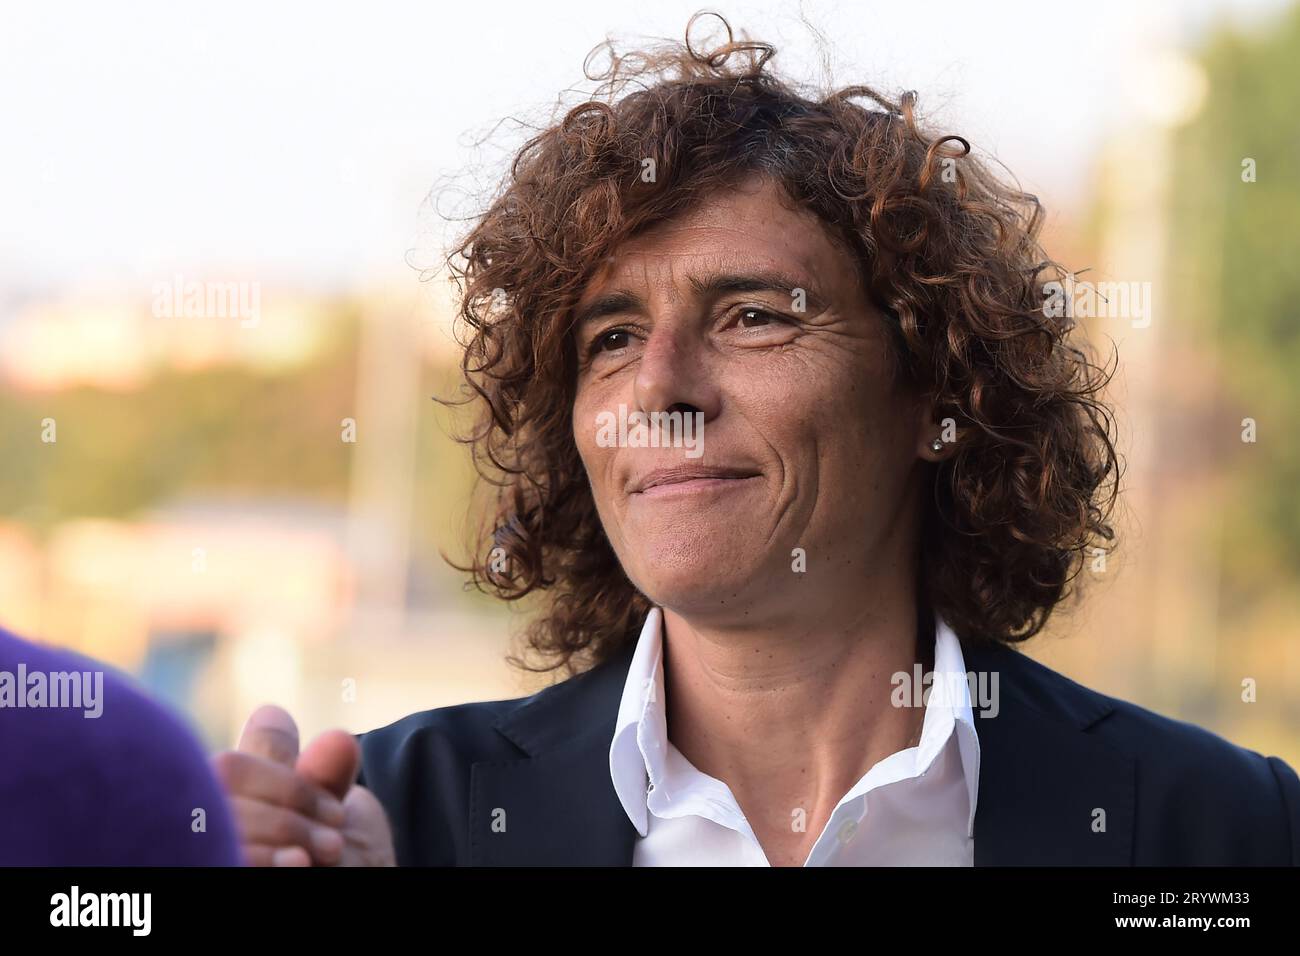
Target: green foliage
{"x": 1236, "y": 254}
{"x": 226, "y": 428}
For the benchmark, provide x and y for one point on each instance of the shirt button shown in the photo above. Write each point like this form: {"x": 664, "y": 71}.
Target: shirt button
{"x": 848, "y": 830}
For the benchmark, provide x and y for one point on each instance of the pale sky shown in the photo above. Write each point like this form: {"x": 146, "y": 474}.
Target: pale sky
{"x": 288, "y": 142}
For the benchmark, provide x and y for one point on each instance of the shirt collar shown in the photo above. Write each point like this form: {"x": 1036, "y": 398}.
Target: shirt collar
{"x": 948, "y": 710}
{"x": 638, "y": 753}
{"x": 629, "y": 767}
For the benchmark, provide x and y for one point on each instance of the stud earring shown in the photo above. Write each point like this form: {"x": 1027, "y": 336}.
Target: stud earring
{"x": 936, "y": 446}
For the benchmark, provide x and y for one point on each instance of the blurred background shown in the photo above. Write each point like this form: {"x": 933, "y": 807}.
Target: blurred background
{"x": 221, "y": 467}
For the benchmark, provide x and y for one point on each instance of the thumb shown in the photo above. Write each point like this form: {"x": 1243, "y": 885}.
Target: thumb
{"x": 331, "y": 761}
{"x": 271, "y": 733}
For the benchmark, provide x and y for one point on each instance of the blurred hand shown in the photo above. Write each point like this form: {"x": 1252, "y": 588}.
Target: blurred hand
{"x": 301, "y": 809}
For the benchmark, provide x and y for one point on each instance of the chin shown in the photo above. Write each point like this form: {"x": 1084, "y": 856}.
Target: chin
{"x": 695, "y": 576}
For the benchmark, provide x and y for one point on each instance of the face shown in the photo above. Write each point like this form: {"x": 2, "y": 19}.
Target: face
{"x": 810, "y": 441}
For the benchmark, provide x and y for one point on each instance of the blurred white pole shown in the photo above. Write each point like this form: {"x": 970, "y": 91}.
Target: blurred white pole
{"x": 383, "y": 462}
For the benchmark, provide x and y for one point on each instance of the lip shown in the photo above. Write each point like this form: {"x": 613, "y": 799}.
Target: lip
{"x": 689, "y": 478}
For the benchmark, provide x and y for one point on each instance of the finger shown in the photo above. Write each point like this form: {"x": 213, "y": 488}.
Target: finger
{"x": 259, "y": 854}
{"x": 331, "y": 761}
{"x": 257, "y": 778}
{"x": 271, "y": 733}
{"x": 263, "y": 823}
{"x": 290, "y": 856}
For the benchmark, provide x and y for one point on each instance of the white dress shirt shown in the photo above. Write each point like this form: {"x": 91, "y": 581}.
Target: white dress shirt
{"x": 914, "y": 807}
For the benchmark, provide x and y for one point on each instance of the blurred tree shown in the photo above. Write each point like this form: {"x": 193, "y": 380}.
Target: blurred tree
{"x": 1235, "y": 240}
{"x": 224, "y": 429}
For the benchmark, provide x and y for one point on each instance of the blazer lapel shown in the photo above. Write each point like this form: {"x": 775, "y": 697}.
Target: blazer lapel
{"x": 1049, "y": 793}
{"x": 556, "y": 805}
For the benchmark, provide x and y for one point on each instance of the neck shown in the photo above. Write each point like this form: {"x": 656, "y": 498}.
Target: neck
{"x": 791, "y": 717}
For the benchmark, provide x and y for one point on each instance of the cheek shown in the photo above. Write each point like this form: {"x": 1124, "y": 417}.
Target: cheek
{"x": 597, "y": 460}
{"x": 813, "y": 414}
{"x": 852, "y": 430}
{"x": 587, "y": 404}
{"x": 583, "y": 436}
{"x": 879, "y": 460}
{"x": 591, "y": 454}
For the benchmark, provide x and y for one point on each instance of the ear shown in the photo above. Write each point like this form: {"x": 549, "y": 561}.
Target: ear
{"x": 937, "y": 433}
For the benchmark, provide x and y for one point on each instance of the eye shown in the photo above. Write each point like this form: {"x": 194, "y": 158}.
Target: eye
{"x": 756, "y": 318}
{"x": 610, "y": 341}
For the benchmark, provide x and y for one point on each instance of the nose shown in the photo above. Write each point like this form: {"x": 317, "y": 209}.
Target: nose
{"x": 673, "y": 374}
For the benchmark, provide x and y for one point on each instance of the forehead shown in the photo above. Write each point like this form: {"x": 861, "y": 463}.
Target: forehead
{"x": 750, "y": 225}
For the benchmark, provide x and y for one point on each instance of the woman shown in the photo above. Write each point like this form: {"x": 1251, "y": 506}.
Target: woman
{"x": 901, "y": 462}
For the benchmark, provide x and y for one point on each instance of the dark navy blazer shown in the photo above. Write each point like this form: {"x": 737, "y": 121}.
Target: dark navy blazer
{"x": 527, "y": 781}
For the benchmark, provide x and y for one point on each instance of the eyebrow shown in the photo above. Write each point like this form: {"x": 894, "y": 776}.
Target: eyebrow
{"x": 709, "y": 286}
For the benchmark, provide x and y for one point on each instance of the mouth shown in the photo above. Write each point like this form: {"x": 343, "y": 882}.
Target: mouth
{"x": 689, "y": 479}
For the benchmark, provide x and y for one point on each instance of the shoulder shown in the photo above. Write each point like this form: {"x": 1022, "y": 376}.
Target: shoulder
{"x": 1197, "y": 793}
{"x": 464, "y": 732}
{"x": 107, "y": 775}
{"x": 498, "y": 729}
{"x": 421, "y": 768}
{"x": 1195, "y": 786}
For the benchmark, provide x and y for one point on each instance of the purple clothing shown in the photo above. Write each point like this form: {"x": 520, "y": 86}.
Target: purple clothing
{"x": 117, "y": 789}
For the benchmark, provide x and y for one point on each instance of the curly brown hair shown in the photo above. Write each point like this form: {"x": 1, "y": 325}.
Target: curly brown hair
{"x": 949, "y": 254}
